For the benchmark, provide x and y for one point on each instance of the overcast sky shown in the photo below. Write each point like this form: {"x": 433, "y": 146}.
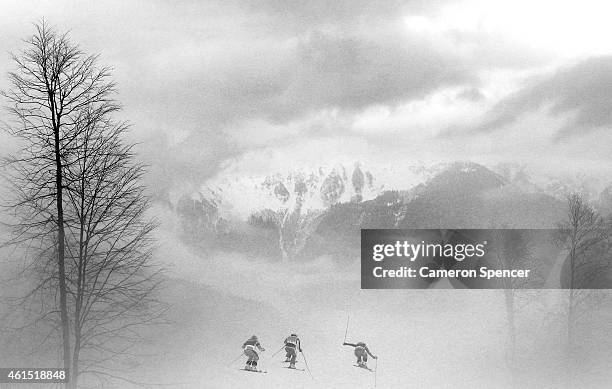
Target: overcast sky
{"x": 252, "y": 87}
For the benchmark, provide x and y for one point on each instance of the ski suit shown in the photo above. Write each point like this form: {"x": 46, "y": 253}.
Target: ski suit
{"x": 292, "y": 347}
{"x": 251, "y": 347}
{"x": 361, "y": 352}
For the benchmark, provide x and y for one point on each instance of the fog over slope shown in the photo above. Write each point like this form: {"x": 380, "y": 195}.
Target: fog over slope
{"x": 225, "y": 284}
{"x": 424, "y": 338}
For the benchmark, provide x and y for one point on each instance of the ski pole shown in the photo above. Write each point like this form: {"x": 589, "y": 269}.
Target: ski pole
{"x": 279, "y": 350}
{"x": 375, "y": 370}
{"x": 348, "y": 317}
{"x": 306, "y": 363}
{"x": 238, "y": 357}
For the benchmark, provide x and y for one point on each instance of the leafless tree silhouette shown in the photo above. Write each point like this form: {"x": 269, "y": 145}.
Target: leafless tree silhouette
{"x": 78, "y": 199}
{"x": 515, "y": 251}
{"x": 585, "y": 236}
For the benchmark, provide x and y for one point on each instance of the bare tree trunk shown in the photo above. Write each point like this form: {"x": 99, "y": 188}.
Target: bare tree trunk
{"x": 60, "y": 236}
{"x": 74, "y": 377}
{"x": 62, "y": 271}
{"x": 571, "y": 337}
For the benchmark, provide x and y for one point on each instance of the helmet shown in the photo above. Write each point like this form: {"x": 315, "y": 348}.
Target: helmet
{"x": 254, "y": 337}
{"x": 294, "y": 335}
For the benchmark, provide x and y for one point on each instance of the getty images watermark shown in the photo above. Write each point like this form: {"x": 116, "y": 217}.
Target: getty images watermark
{"x": 472, "y": 258}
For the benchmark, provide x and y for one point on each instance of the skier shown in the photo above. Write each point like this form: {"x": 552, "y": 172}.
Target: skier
{"x": 251, "y": 347}
{"x": 361, "y": 352}
{"x": 292, "y": 347}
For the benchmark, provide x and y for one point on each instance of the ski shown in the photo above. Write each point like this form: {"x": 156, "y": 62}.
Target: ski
{"x": 254, "y": 371}
{"x": 293, "y": 368}
{"x": 365, "y": 368}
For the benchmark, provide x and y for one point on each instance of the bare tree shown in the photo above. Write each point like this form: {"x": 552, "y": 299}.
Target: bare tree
{"x": 53, "y": 82}
{"x": 78, "y": 194}
{"x": 111, "y": 278}
{"x": 585, "y": 237}
{"x": 514, "y": 250}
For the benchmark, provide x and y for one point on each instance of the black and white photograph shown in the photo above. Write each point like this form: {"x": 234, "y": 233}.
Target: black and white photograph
{"x": 306, "y": 194}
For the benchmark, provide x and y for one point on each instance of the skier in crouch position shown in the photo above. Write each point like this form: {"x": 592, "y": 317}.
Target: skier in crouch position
{"x": 361, "y": 352}
{"x": 292, "y": 347}
{"x": 251, "y": 347}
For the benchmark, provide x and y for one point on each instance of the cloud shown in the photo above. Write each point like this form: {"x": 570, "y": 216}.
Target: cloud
{"x": 352, "y": 73}
{"x": 260, "y": 70}
{"x": 283, "y": 78}
{"x": 582, "y": 92}
{"x": 205, "y": 83}
{"x": 298, "y": 16}
{"x": 471, "y": 94}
